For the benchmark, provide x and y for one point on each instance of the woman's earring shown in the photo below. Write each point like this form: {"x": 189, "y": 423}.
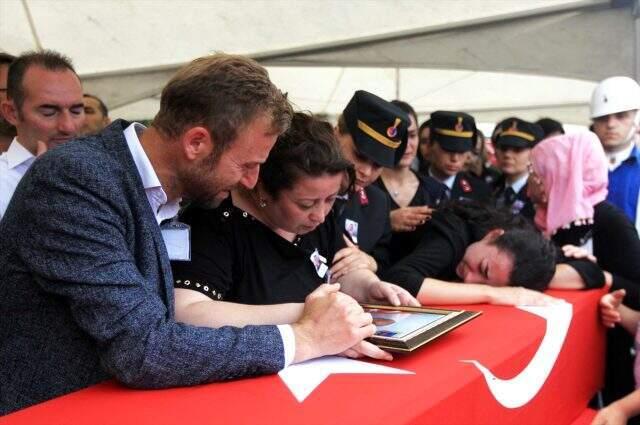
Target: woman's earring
{"x": 262, "y": 203}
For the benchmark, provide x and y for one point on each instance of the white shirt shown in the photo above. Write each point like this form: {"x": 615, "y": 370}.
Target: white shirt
{"x": 152, "y": 187}
{"x": 163, "y": 210}
{"x": 518, "y": 184}
{"x": 616, "y": 158}
{"x": 14, "y": 163}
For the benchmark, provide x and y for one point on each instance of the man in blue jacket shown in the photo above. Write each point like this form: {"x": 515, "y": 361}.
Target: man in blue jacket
{"x": 86, "y": 291}
{"x": 615, "y": 111}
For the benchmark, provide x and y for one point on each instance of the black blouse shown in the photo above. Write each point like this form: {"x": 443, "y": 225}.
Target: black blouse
{"x": 615, "y": 245}
{"x": 438, "y": 253}
{"x": 236, "y": 258}
{"x": 429, "y": 193}
{"x": 443, "y": 245}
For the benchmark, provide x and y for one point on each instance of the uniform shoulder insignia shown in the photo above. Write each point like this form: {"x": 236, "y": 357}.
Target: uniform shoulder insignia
{"x": 465, "y": 185}
{"x": 364, "y": 199}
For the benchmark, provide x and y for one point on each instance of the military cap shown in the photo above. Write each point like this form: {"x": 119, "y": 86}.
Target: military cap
{"x": 454, "y": 131}
{"x": 379, "y": 129}
{"x": 517, "y": 133}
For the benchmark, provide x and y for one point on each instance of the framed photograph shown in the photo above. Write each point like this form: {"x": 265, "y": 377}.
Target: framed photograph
{"x": 404, "y": 329}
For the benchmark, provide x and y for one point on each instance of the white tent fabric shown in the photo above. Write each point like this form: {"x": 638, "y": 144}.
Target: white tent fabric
{"x": 436, "y": 54}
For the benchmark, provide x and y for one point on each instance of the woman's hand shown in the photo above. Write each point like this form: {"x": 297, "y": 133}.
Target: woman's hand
{"x": 572, "y": 251}
{"x": 380, "y": 292}
{"x": 351, "y": 258}
{"x": 516, "y": 295}
{"x": 610, "y": 308}
{"x": 406, "y": 219}
{"x": 610, "y": 415}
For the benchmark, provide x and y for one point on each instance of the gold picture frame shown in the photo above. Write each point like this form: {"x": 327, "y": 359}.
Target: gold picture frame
{"x": 404, "y": 329}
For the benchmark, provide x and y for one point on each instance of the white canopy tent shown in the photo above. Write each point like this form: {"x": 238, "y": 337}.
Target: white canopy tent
{"x": 491, "y": 58}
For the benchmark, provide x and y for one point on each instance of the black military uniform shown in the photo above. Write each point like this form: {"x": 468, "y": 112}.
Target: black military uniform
{"x": 364, "y": 216}
{"x": 514, "y": 133}
{"x": 379, "y": 131}
{"x": 517, "y": 203}
{"x": 469, "y": 187}
{"x": 490, "y": 175}
{"x": 456, "y": 132}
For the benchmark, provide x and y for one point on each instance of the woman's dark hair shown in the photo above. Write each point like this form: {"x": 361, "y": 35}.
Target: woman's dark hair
{"x": 341, "y": 125}
{"x": 549, "y": 125}
{"x": 483, "y": 218}
{"x": 534, "y": 256}
{"x": 307, "y": 148}
{"x": 426, "y": 124}
{"x": 406, "y": 108}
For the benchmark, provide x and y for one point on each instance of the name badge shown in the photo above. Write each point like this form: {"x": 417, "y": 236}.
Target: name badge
{"x": 177, "y": 240}
{"x": 351, "y": 227}
{"x": 319, "y": 263}
{"x": 517, "y": 206}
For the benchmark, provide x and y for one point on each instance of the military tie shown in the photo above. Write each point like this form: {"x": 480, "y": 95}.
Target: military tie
{"x": 446, "y": 191}
{"x": 509, "y": 196}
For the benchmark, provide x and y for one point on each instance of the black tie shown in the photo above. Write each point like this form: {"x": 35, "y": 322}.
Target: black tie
{"x": 446, "y": 191}
{"x": 509, "y": 196}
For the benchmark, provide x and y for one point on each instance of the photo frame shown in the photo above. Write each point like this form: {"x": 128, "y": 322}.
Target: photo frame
{"x": 404, "y": 329}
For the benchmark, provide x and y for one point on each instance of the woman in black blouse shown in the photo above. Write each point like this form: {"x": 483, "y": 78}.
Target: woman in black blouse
{"x": 568, "y": 185}
{"x": 261, "y": 252}
{"x": 498, "y": 255}
{"x": 411, "y": 195}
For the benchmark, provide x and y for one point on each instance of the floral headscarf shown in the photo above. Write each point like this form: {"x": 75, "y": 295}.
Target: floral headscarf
{"x": 573, "y": 170}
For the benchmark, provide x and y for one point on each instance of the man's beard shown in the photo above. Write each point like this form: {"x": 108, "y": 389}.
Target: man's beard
{"x": 199, "y": 187}
{"x": 6, "y": 129}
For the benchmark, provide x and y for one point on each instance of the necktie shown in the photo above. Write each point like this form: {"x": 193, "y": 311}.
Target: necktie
{"x": 446, "y": 191}
{"x": 509, "y": 196}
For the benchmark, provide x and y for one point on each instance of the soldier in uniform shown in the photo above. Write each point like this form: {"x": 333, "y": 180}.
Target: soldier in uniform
{"x": 372, "y": 134}
{"x": 423, "y": 147}
{"x": 478, "y": 163}
{"x": 452, "y": 137}
{"x": 514, "y": 138}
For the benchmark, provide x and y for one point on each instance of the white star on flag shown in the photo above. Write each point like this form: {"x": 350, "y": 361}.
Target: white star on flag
{"x": 303, "y": 378}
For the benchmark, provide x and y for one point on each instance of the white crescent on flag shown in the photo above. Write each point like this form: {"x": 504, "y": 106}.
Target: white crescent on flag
{"x": 519, "y": 390}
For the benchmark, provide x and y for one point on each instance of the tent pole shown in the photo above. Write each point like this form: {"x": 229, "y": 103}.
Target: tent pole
{"x": 32, "y": 26}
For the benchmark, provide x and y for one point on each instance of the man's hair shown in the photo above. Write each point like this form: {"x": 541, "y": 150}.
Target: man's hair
{"x": 47, "y": 59}
{"x": 222, "y": 93}
{"x": 307, "y": 148}
{"x": 408, "y": 109}
{"x": 534, "y": 257}
{"x": 6, "y": 58}
{"x": 101, "y": 105}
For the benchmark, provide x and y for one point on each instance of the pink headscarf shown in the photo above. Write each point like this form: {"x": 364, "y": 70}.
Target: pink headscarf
{"x": 573, "y": 170}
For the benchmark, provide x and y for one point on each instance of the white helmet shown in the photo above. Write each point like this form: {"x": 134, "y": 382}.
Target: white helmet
{"x": 613, "y": 95}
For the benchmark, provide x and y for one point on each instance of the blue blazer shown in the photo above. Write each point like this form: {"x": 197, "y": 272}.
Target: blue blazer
{"x": 86, "y": 291}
